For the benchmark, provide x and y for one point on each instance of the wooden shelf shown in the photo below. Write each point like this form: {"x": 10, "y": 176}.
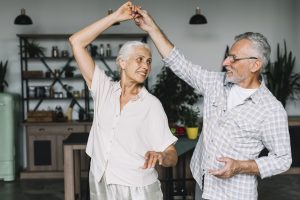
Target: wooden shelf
{"x": 66, "y": 36}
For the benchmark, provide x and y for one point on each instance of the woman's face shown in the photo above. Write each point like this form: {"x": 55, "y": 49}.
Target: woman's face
{"x": 138, "y": 66}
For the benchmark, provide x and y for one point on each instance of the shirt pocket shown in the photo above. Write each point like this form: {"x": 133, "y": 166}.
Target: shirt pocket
{"x": 241, "y": 141}
{"x": 215, "y": 106}
{"x": 246, "y": 134}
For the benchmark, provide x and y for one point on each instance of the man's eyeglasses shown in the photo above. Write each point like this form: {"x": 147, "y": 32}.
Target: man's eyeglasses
{"x": 233, "y": 58}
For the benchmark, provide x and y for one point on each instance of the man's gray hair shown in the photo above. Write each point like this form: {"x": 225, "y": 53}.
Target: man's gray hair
{"x": 128, "y": 48}
{"x": 260, "y": 44}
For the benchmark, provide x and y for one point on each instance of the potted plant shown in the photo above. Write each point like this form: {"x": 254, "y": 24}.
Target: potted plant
{"x": 280, "y": 78}
{"x": 191, "y": 122}
{"x": 34, "y": 49}
{"x": 175, "y": 95}
{"x": 3, "y": 68}
{"x": 69, "y": 71}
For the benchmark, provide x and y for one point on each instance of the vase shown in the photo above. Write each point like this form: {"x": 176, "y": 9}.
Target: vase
{"x": 192, "y": 132}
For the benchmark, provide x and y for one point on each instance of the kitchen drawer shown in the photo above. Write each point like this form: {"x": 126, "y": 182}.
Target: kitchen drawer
{"x": 65, "y": 129}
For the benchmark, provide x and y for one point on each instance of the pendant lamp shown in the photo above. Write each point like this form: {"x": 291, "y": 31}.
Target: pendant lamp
{"x": 198, "y": 18}
{"x": 23, "y": 19}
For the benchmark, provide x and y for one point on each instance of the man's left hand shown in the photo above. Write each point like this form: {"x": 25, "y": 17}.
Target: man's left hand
{"x": 230, "y": 168}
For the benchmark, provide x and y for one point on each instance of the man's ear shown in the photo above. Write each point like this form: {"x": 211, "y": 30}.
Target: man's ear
{"x": 257, "y": 65}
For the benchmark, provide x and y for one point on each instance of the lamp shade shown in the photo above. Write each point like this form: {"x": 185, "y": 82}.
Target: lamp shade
{"x": 198, "y": 18}
{"x": 23, "y": 19}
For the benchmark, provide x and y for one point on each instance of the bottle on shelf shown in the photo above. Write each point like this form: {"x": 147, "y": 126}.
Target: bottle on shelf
{"x": 69, "y": 112}
{"x": 55, "y": 52}
{"x": 101, "y": 50}
{"x": 108, "y": 50}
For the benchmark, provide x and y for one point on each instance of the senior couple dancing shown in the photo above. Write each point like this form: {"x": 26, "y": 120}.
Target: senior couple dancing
{"x": 130, "y": 133}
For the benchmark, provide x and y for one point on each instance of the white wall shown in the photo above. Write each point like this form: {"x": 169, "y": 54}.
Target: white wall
{"x": 203, "y": 44}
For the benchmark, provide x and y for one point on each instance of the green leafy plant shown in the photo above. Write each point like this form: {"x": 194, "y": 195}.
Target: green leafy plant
{"x": 3, "y": 68}
{"x": 69, "y": 71}
{"x": 280, "y": 78}
{"x": 34, "y": 49}
{"x": 191, "y": 117}
{"x": 175, "y": 95}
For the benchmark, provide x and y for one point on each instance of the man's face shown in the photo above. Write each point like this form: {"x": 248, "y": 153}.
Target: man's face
{"x": 239, "y": 63}
{"x": 138, "y": 65}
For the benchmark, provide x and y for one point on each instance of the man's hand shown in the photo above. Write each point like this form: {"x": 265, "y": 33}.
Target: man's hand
{"x": 143, "y": 20}
{"x": 231, "y": 168}
{"x": 151, "y": 158}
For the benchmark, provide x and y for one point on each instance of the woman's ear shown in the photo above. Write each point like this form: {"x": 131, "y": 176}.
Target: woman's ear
{"x": 122, "y": 64}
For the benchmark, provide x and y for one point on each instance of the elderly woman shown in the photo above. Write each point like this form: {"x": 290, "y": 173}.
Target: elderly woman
{"x": 130, "y": 132}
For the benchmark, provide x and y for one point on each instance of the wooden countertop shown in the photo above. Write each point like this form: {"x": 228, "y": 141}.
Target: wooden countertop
{"x": 57, "y": 123}
{"x": 294, "y": 121}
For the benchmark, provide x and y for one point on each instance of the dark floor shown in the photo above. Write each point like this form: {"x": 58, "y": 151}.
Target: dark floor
{"x": 281, "y": 187}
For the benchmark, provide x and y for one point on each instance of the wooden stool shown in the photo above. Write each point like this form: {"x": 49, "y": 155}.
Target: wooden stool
{"x": 72, "y": 146}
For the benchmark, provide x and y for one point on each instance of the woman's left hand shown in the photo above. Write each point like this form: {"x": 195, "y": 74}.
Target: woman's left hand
{"x": 153, "y": 157}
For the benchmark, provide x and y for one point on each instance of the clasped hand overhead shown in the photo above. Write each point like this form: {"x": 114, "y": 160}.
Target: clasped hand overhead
{"x": 129, "y": 11}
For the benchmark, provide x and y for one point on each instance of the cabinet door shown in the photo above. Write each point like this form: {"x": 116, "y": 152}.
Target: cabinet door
{"x": 41, "y": 152}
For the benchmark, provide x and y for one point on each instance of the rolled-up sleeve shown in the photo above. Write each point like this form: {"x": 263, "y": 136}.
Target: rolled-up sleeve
{"x": 276, "y": 138}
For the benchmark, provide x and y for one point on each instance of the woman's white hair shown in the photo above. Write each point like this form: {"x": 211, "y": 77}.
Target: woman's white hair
{"x": 128, "y": 48}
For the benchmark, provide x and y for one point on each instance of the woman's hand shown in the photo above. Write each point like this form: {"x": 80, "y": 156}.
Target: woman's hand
{"x": 153, "y": 157}
{"x": 167, "y": 158}
{"x": 125, "y": 12}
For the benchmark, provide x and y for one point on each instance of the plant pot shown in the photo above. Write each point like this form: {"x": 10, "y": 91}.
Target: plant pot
{"x": 69, "y": 74}
{"x": 192, "y": 132}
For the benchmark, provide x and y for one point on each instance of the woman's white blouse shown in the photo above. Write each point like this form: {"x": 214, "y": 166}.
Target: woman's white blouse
{"x": 118, "y": 140}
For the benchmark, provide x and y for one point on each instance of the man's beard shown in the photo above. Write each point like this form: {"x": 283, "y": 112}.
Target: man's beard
{"x": 233, "y": 79}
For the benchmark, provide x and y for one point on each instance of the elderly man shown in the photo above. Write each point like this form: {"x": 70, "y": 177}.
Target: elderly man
{"x": 240, "y": 117}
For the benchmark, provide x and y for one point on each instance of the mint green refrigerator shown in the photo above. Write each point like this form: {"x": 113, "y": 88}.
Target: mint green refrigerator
{"x": 9, "y": 127}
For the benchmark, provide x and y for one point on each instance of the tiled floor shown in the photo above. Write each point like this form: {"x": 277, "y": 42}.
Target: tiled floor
{"x": 281, "y": 187}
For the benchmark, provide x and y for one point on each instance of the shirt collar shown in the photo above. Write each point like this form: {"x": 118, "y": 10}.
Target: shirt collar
{"x": 141, "y": 95}
{"x": 257, "y": 95}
